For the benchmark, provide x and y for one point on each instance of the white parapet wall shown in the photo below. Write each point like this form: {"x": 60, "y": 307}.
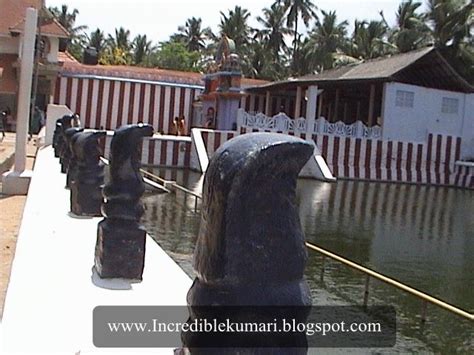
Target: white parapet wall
{"x": 53, "y": 113}
{"x": 206, "y": 142}
{"x": 51, "y": 294}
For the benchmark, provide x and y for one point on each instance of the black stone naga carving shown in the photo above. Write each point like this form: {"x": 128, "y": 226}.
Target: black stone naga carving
{"x": 65, "y": 123}
{"x": 68, "y": 154}
{"x": 120, "y": 247}
{"x": 68, "y": 121}
{"x": 88, "y": 175}
{"x": 250, "y": 249}
{"x": 56, "y": 137}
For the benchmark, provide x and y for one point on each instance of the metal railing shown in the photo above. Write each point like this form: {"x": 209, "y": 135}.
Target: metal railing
{"x": 174, "y": 185}
{"x": 373, "y": 274}
{"x": 425, "y": 298}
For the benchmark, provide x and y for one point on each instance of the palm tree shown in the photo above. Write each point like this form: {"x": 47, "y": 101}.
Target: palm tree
{"x": 68, "y": 20}
{"x": 118, "y": 48}
{"x": 272, "y": 35}
{"x": 451, "y": 23}
{"x": 410, "y": 32}
{"x": 121, "y": 39}
{"x": 193, "y": 35}
{"x": 141, "y": 49}
{"x": 296, "y": 9}
{"x": 234, "y": 25}
{"x": 327, "y": 39}
{"x": 97, "y": 40}
{"x": 369, "y": 40}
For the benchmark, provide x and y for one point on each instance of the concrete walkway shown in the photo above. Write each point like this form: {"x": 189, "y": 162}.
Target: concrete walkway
{"x": 11, "y": 211}
{"x": 51, "y": 296}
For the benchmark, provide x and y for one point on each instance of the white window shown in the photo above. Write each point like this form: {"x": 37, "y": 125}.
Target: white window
{"x": 450, "y": 105}
{"x": 404, "y": 98}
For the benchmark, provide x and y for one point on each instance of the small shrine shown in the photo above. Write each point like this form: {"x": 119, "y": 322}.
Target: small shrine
{"x": 222, "y": 91}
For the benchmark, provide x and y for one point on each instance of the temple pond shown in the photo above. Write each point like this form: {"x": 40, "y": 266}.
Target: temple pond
{"x": 422, "y": 236}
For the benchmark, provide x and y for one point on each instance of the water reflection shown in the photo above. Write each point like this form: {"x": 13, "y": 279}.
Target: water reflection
{"x": 422, "y": 236}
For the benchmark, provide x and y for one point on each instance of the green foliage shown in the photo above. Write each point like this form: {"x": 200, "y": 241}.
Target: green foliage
{"x": 265, "y": 51}
{"x": 175, "y": 55}
{"x": 76, "y": 41}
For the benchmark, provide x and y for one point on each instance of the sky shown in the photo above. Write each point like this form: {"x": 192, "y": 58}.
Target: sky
{"x": 159, "y": 19}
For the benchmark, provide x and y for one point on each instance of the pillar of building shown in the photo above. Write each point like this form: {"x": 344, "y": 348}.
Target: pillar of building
{"x": 311, "y": 107}
{"x": 299, "y": 92}
{"x": 16, "y": 182}
{"x": 268, "y": 104}
{"x": 371, "y": 105}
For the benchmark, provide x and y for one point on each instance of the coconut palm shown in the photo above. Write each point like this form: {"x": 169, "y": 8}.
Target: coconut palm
{"x": 118, "y": 49}
{"x": 97, "y": 40}
{"x": 68, "y": 21}
{"x": 235, "y": 26}
{"x": 193, "y": 35}
{"x": 411, "y": 31}
{"x": 296, "y": 9}
{"x": 273, "y": 33}
{"x": 121, "y": 39}
{"x": 141, "y": 49}
{"x": 369, "y": 40}
{"x": 327, "y": 39}
{"x": 451, "y": 23}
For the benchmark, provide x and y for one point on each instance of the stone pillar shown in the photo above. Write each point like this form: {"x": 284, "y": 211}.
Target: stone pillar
{"x": 250, "y": 249}
{"x": 18, "y": 181}
{"x": 120, "y": 247}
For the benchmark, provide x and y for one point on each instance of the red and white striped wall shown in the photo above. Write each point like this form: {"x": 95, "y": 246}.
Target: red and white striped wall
{"x": 214, "y": 139}
{"x": 464, "y": 176}
{"x": 432, "y": 162}
{"x": 160, "y": 151}
{"x": 109, "y": 103}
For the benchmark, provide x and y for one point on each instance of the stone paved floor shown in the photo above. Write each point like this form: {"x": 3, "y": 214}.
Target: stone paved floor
{"x": 11, "y": 210}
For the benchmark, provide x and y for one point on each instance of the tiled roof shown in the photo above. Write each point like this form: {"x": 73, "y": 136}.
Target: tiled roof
{"x": 66, "y": 57}
{"x": 140, "y": 73}
{"x": 425, "y": 67}
{"x": 50, "y": 28}
{"x": 372, "y": 69}
{"x": 13, "y": 12}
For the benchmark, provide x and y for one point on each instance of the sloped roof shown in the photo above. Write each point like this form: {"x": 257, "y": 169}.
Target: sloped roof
{"x": 379, "y": 68}
{"x": 66, "y": 57}
{"x": 140, "y": 73}
{"x": 13, "y": 12}
{"x": 50, "y": 28}
{"x": 424, "y": 67}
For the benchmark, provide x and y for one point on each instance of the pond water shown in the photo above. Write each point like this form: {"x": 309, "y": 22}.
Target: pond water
{"x": 422, "y": 236}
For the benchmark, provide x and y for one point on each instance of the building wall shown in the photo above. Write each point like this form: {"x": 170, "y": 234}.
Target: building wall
{"x": 413, "y": 124}
{"x": 109, "y": 103}
{"x": 467, "y": 132}
{"x": 9, "y": 45}
{"x": 53, "y": 49}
